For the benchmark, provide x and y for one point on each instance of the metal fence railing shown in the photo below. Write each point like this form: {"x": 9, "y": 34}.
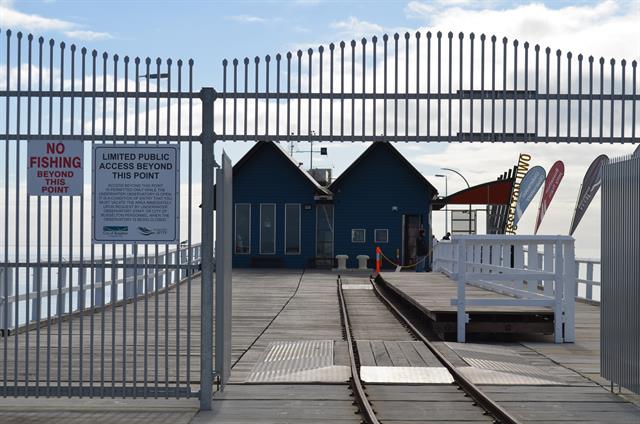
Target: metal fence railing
{"x": 619, "y": 310}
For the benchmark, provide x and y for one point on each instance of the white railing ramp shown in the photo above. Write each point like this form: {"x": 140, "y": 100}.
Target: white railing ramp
{"x": 498, "y": 263}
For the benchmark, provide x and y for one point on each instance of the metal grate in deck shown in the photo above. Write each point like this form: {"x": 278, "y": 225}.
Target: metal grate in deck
{"x": 297, "y": 362}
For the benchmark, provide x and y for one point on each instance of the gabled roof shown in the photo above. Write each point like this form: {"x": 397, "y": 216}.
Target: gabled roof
{"x": 389, "y": 147}
{"x": 269, "y": 144}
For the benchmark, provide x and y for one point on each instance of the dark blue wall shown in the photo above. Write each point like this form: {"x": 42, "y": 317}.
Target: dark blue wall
{"x": 269, "y": 177}
{"x": 365, "y": 196}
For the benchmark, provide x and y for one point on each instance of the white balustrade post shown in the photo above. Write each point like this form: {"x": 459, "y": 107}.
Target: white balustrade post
{"x": 461, "y": 276}
{"x": 548, "y": 267}
{"x": 82, "y": 281}
{"x": 589, "y": 292}
{"x": 6, "y": 307}
{"x": 184, "y": 260}
{"x": 99, "y": 279}
{"x": 486, "y": 254}
{"x": 36, "y": 290}
{"x": 61, "y": 298}
{"x": 569, "y": 284}
{"x": 518, "y": 263}
{"x": 558, "y": 292}
{"x": 533, "y": 264}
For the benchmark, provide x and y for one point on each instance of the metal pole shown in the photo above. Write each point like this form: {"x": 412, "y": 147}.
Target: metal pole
{"x": 446, "y": 207}
{"x": 207, "y": 97}
{"x": 468, "y": 186}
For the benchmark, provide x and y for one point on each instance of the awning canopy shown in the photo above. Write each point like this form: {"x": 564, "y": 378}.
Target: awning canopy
{"x": 491, "y": 193}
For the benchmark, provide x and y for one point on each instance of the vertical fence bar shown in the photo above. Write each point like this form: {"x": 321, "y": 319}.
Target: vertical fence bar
{"x": 206, "y": 323}
{"x": 461, "y": 277}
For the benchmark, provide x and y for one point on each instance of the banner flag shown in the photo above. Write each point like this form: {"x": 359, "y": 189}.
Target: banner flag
{"x": 554, "y": 177}
{"x": 590, "y": 186}
{"x": 529, "y": 186}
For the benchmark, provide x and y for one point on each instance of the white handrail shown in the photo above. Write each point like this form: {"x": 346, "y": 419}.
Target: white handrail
{"x": 498, "y": 263}
{"x": 135, "y": 277}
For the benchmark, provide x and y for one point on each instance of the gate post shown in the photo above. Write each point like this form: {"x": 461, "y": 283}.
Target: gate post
{"x": 207, "y": 96}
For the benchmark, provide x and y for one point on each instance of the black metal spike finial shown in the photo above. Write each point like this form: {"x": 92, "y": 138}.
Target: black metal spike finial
{"x": 289, "y": 55}
{"x": 235, "y": 62}
{"x": 267, "y": 58}
{"x": 246, "y": 60}
{"x": 385, "y": 38}
{"x": 256, "y": 59}
{"x": 483, "y": 37}
{"x": 278, "y": 57}
{"x": 158, "y": 61}
{"x": 225, "y": 62}
{"x": 472, "y": 36}
{"x": 191, "y": 62}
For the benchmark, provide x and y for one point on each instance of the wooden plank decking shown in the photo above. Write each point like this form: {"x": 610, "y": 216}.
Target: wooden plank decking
{"x": 432, "y": 293}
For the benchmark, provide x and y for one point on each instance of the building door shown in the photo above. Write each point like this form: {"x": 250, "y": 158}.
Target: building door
{"x": 324, "y": 235}
{"x": 410, "y": 228}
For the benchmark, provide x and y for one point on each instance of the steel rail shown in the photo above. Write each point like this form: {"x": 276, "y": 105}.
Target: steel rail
{"x": 498, "y": 413}
{"x": 366, "y": 410}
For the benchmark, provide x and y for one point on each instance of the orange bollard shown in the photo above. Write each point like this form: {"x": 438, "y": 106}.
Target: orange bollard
{"x": 378, "y": 251}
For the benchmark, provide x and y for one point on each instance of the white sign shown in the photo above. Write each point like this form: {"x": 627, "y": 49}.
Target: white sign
{"x": 54, "y": 168}
{"x": 136, "y": 194}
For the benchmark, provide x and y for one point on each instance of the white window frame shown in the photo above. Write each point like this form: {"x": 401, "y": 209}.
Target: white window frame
{"x": 375, "y": 238}
{"x": 275, "y": 219}
{"x": 299, "y": 228}
{"x": 364, "y": 239}
{"x": 235, "y": 228}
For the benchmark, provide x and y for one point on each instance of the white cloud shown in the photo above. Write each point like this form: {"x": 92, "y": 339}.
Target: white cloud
{"x": 247, "y": 19}
{"x": 88, "y": 35}
{"x": 355, "y": 27}
{"x": 14, "y": 19}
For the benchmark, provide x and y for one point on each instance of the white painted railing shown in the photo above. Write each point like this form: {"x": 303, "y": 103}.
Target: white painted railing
{"x": 587, "y": 278}
{"x": 498, "y": 263}
{"x": 38, "y": 291}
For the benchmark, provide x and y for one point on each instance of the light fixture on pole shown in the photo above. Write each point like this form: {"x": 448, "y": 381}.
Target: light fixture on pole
{"x": 468, "y": 186}
{"x": 446, "y": 209}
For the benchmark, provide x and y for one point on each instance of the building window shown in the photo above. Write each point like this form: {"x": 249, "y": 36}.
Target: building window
{"x": 381, "y": 235}
{"x": 243, "y": 229}
{"x": 292, "y": 229}
{"x": 358, "y": 235}
{"x": 267, "y": 229}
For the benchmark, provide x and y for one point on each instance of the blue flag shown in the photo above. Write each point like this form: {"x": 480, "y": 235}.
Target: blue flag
{"x": 529, "y": 186}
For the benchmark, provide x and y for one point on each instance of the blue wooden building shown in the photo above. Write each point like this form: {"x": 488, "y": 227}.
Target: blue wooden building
{"x": 381, "y": 200}
{"x": 284, "y": 218}
{"x": 274, "y": 210}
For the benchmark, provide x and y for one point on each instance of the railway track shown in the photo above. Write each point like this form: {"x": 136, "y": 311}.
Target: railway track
{"x": 409, "y": 319}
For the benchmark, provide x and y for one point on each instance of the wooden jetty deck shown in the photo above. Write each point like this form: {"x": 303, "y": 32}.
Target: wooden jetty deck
{"x": 577, "y": 393}
{"x": 432, "y": 293}
{"x": 275, "y": 306}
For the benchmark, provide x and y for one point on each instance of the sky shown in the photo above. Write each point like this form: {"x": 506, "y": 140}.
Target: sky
{"x": 210, "y": 31}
